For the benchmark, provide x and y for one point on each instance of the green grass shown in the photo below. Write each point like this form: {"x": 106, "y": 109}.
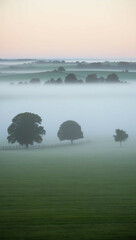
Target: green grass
{"x": 78, "y": 194}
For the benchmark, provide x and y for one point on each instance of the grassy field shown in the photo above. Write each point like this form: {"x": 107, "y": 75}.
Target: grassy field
{"x": 78, "y": 193}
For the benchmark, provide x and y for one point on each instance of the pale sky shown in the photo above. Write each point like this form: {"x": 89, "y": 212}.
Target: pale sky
{"x": 67, "y": 28}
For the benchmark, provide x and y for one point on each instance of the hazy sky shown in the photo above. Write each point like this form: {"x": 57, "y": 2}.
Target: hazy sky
{"x": 67, "y": 28}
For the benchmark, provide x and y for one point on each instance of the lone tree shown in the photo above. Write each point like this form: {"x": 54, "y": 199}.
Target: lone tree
{"x": 69, "y": 130}
{"x": 120, "y": 136}
{"x": 25, "y": 129}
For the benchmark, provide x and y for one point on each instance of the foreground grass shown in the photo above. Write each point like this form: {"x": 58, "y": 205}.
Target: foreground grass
{"x": 76, "y": 193}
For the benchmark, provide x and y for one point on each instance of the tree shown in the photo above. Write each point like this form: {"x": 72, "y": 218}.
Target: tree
{"x": 52, "y": 80}
{"x": 35, "y": 80}
{"x": 69, "y": 130}
{"x": 120, "y": 136}
{"x": 71, "y": 78}
{"x": 112, "y": 78}
{"x": 25, "y": 129}
{"x": 92, "y": 78}
{"x": 61, "y": 69}
{"x": 59, "y": 80}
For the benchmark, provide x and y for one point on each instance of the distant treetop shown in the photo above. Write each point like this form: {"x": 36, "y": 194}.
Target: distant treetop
{"x": 71, "y": 78}
{"x": 112, "y": 78}
{"x": 35, "y": 80}
{"x": 61, "y": 69}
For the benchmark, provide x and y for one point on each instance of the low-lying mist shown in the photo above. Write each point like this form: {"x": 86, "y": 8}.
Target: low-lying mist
{"x": 99, "y": 109}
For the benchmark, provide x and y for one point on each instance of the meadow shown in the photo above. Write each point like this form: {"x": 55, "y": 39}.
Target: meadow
{"x": 78, "y": 192}
{"x": 86, "y": 191}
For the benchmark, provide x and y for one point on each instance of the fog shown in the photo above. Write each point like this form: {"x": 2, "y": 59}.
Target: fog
{"x": 99, "y": 109}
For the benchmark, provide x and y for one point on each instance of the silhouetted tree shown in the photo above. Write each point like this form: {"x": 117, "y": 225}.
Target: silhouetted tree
{"x": 120, "y": 136}
{"x": 25, "y": 129}
{"x": 69, "y": 130}
{"x": 61, "y": 69}
{"x": 71, "y": 78}
{"x": 92, "y": 78}
{"x": 35, "y": 80}
{"x": 52, "y": 80}
{"x": 112, "y": 78}
{"x": 59, "y": 80}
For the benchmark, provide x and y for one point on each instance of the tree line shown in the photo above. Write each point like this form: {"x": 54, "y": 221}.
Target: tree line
{"x": 125, "y": 66}
{"x": 71, "y": 78}
{"x": 26, "y": 129}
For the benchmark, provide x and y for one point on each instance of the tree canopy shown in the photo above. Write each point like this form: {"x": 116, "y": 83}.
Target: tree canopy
{"x": 35, "y": 80}
{"x": 112, "y": 78}
{"x": 61, "y": 69}
{"x": 59, "y": 80}
{"x": 91, "y": 78}
{"x": 120, "y": 136}
{"x": 71, "y": 78}
{"x": 25, "y": 129}
{"x": 69, "y": 130}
